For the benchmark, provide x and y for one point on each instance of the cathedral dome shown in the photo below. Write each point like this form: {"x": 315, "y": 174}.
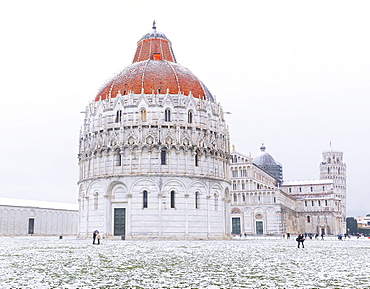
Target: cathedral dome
{"x": 266, "y": 162}
{"x": 154, "y": 71}
{"x": 263, "y": 158}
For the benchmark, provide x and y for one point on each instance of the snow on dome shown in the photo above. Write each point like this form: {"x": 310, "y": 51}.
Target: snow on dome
{"x": 154, "y": 71}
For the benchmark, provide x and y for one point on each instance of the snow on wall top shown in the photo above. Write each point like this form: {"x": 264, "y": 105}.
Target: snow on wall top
{"x": 307, "y": 183}
{"x": 37, "y": 204}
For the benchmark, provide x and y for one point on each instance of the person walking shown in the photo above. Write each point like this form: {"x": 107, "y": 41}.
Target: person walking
{"x": 300, "y": 239}
{"x": 94, "y": 236}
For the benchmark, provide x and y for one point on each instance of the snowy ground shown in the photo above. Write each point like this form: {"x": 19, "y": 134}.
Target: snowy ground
{"x": 36, "y": 262}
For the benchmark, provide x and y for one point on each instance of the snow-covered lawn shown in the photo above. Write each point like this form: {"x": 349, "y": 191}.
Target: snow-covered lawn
{"x": 36, "y": 262}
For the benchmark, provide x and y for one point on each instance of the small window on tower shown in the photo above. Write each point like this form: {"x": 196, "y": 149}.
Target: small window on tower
{"x": 143, "y": 115}
{"x": 197, "y": 200}
{"x": 145, "y": 199}
{"x": 197, "y": 159}
{"x": 173, "y": 199}
{"x": 117, "y": 157}
{"x": 167, "y": 115}
{"x": 190, "y": 117}
{"x": 163, "y": 156}
{"x": 118, "y": 116}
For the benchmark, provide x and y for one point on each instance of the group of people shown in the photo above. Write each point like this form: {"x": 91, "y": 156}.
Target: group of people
{"x": 96, "y": 236}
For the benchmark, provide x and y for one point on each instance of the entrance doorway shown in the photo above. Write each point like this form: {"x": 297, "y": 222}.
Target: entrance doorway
{"x": 235, "y": 222}
{"x": 119, "y": 222}
{"x": 31, "y": 225}
{"x": 259, "y": 227}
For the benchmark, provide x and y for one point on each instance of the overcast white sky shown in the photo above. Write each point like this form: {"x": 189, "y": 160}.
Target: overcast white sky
{"x": 294, "y": 74}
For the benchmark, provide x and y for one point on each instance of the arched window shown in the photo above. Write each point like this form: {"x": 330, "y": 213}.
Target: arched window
{"x": 216, "y": 202}
{"x": 243, "y": 197}
{"x": 308, "y": 219}
{"x": 173, "y": 199}
{"x": 117, "y": 158}
{"x": 326, "y": 202}
{"x": 96, "y": 201}
{"x": 235, "y": 198}
{"x": 197, "y": 200}
{"x": 118, "y": 116}
{"x": 167, "y": 115}
{"x": 190, "y": 116}
{"x": 300, "y": 190}
{"x": 163, "y": 156}
{"x": 143, "y": 115}
{"x": 145, "y": 199}
{"x": 196, "y": 159}
{"x": 328, "y": 170}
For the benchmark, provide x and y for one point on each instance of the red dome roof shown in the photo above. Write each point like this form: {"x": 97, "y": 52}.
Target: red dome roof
{"x": 154, "y": 70}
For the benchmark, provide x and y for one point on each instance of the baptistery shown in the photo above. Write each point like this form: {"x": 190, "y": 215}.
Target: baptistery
{"x": 154, "y": 153}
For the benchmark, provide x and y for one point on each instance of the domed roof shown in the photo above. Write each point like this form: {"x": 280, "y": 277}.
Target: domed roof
{"x": 154, "y": 71}
{"x": 264, "y": 158}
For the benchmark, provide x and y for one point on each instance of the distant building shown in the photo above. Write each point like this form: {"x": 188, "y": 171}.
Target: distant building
{"x": 39, "y": 218}
{"x": 262, "y": 203}
{"x": 364, "y": 222}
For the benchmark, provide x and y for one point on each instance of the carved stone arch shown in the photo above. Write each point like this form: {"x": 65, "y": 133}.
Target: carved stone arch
{"x": 32, "y": 213}
{"x": 151, "y": 139}
{"x": 82, "y": 191}
{"x": 168, "y": 140}
{"x": 200, "y": 141}
{"x": 235, "y": 211}
{"x": 131, "y": 140}
{"x": 270, "y": 210}
{"x": 152, "y": 186}
{"x": 117, "y": 190}
{"x": 172, "y": 184}
{"x": 186, "y": 141}
{"x": 93, "y": 187}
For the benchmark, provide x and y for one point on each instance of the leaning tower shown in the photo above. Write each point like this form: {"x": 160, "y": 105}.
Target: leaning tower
{"x": 154, "y": 152}
{"x": 332, "y": 167}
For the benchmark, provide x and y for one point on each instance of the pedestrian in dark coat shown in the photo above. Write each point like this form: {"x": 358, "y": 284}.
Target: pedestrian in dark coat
{"x": 95, "y": 233}
{"x": 300, "y": 239}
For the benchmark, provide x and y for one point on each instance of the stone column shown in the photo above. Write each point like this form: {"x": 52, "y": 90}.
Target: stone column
{"x": 186, "y": 215}
{"x": 208, "y": 217}
{"x": 128, "y": 214}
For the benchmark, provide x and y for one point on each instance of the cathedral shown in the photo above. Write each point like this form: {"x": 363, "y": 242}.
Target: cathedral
{"x": 155, "y": 162}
